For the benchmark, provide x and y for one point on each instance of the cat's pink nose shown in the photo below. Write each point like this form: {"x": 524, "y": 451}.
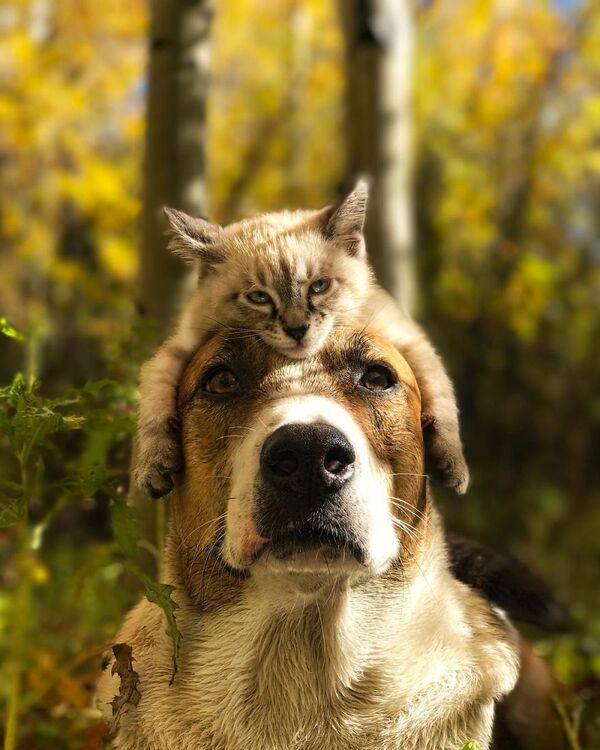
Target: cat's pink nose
{"x": 296, "y": 333}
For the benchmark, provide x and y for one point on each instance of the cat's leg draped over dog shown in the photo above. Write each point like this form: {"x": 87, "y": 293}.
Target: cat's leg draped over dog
{"x": 158, "y": 450}
{"x": 159, "y": 455}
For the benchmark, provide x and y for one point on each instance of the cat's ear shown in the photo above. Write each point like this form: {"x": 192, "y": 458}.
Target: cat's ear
{"x": 344, "y": 223}
{"x": 193, "y": 239}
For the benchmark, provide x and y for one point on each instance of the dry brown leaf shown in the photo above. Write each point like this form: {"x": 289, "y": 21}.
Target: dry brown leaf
{"x": 129, "y": 695}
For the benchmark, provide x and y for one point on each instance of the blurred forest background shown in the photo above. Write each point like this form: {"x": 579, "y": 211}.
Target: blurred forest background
{"x": 497, "y": 252}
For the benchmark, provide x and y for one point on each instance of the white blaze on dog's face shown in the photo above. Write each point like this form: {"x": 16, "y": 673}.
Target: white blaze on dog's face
{"x": 301, "y": 466}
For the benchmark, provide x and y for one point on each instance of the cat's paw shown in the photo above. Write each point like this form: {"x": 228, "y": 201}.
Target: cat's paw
{"x": 454, "y": 471}
{"x": 159, "y": 460}
{"x": 446, "y": 454}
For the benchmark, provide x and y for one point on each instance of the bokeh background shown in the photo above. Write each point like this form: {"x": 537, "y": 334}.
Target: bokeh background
{"x": 497, "y": 154}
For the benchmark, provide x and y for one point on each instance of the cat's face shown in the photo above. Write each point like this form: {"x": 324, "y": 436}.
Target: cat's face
{"x": 293, "y": 291}
{"x": 296, "y": 316}
{"x": 288, "y": 276}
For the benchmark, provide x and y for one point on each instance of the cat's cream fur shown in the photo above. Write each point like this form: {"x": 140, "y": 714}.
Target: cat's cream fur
{"x": 282, "y": 254}
{"x": 301, "y": 652}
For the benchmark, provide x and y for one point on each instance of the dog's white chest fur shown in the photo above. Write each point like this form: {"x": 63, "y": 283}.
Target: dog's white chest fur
{"x": 350, "y": 670}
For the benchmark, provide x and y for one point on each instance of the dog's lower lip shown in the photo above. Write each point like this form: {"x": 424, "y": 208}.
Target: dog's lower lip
{"x": 302, "y": 540}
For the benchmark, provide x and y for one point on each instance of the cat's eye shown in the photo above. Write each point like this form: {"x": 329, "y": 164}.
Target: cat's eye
{"x": 258, "y": 297}
{"x": 378, "y": 378}
{"x": 320, "y": 285}
{"x": 221, "y": 382}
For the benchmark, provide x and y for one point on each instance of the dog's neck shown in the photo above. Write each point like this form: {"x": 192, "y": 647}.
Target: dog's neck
{"x": 333, "y": 629}
{"x": 408, "y": 659}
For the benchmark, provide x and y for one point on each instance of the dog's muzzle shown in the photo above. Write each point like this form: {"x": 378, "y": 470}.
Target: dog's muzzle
{"x": 304, "y": 469}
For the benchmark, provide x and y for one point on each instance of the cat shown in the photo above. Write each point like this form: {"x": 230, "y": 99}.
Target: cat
{"x": 290, "y": 277}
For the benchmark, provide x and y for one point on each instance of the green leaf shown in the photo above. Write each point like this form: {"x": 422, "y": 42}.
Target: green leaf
{"x": 471, "y": 745}
{"x": 32, "y": 418}
{"x": 18, "y": 385}
{"x": 32, "y": 426}
{"x": 11, "y": 511}
{"x": 126, "y": 531}
{"x": 7, "y": 330}
{"x": 93, "y": 387}
{"x": 89, "y": 480}
{"x": 160, "y": 594}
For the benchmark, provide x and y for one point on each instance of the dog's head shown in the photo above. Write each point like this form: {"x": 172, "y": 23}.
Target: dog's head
{"x": 305, "y": 467}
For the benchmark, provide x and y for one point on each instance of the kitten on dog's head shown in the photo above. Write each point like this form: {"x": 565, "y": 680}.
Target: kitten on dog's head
{"x": 286, "y": 275}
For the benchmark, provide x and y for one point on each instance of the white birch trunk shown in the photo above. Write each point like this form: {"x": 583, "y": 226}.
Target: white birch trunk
{"x": 379, "y": 43}
{"x": 174, "y": 165}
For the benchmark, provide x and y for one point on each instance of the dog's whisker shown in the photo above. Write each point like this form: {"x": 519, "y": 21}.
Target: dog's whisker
{"x": 412, "y": 558}
{"x": 230, "y": 435}
{"x": 405, "y": 474}
{"x": 262, "y": 422}
{"x": 321, "y": 622}
{"x": 406, "y": 507}
{"x": 196, "y": 529}
{"x": 407, "y": 529}
{"x": 209, "y": 554}
{"x": 407, "y": 512}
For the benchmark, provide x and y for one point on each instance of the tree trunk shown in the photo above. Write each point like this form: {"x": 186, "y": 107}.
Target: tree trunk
{"x": 378, "y": 37}
{"x": 174, "y": 165}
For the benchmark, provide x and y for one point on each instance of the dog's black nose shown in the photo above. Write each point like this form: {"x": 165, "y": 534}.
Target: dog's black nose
{"x": 307, "y": 461}
{"x": 296, "y": 333}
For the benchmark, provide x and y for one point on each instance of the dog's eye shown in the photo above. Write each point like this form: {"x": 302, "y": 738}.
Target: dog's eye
{"x": 221, "y": 382}
{"x": 258, "y": 297}
{"x": 377, "y": 378}
{"x": 320, "y": 285}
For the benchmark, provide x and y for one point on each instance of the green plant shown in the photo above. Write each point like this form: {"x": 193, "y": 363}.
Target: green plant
{"x": 58, "y": 453}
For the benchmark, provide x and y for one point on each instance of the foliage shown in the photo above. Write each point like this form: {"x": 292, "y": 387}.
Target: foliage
{"x": 7, "y": 330}
{"x": 129, "y": 695}
{"x": 286, "y": 150}
{"x": 36, "y": 430}
{"x": 71, "y": 114}
{"x": 508, "y": 117}
{"x": 507, "y": 170}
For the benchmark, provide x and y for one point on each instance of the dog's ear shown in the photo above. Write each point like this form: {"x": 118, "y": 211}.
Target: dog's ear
{"x": 193, "y": 239}
{"x": 344, "y": 222}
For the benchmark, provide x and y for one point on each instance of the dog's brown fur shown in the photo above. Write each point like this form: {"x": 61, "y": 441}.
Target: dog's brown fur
{"x": 404, "y": 658}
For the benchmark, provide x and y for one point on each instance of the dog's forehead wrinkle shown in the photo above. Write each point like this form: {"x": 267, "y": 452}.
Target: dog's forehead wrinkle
{"x": 295, "y": 377}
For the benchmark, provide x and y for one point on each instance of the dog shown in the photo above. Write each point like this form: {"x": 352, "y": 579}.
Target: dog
{"x": 316, "y": 602}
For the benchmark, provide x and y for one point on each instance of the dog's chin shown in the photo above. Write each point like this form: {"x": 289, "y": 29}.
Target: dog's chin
{"x": 313, "y": 552}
